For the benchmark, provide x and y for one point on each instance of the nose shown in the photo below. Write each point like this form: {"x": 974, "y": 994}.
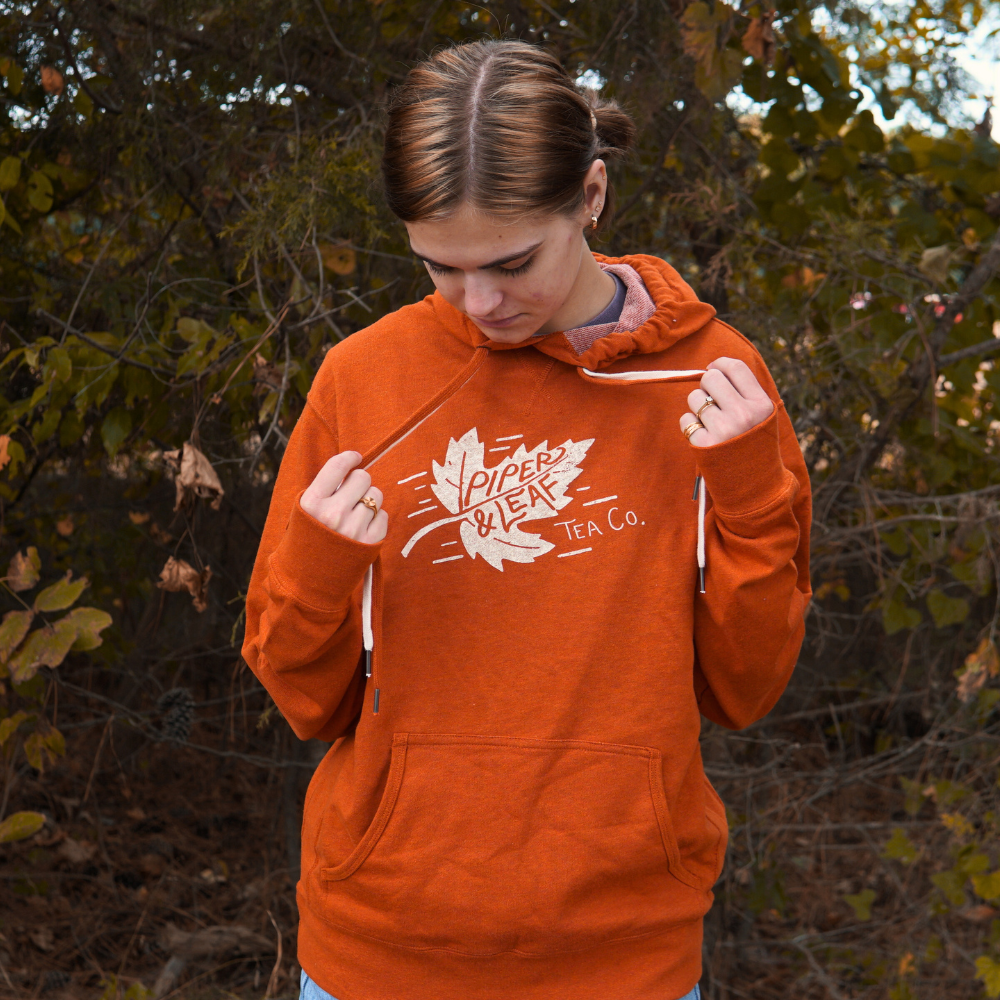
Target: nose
{"x": 482, "y": 297}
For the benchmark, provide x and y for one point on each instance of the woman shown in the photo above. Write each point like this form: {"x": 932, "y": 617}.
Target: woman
{"x": 484, "y": 577}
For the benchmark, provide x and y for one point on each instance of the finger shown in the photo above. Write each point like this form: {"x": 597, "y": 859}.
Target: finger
{"x": 352, "y": 489}
{"x": 718, "y": 386}
{"x": 703, "y": 435}
{"x": 378, "y": 528}
{"x": 697, "y": 399}
{"x": 329, "y": 478}
{"x": 740, "y": 376}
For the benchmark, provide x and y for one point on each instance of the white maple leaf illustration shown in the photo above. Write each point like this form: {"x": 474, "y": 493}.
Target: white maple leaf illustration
{"x": 492, "y": 503}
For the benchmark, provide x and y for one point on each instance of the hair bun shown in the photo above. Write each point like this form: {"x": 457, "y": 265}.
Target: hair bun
{"x": 614, "y": 127}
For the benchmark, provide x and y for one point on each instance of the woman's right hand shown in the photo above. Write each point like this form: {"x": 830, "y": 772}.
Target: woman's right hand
{"x": 333, "y": 499}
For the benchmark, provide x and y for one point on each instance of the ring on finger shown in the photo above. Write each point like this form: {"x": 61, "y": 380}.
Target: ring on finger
{"x": 704, "y": 406}
{"x": 692, "y": 428}
{"x": 370, "y": 503}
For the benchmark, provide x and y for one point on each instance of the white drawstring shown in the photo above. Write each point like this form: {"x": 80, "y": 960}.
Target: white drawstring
{"x": 366, "y": 621}
{"x": 699, "y": 492}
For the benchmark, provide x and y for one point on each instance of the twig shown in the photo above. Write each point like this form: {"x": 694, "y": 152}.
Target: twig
{"x": 97, "y": 758}
{"x": 272, "y": 983}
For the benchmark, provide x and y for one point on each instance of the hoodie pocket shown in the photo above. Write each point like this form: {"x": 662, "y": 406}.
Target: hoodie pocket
{"x": 484, "y": 845}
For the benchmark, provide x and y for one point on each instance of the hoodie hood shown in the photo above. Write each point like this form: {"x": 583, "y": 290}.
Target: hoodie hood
{"x": 678, "y": 314}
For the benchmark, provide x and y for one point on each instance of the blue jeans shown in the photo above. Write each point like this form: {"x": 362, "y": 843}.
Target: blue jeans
{"x": 310, "y": 991}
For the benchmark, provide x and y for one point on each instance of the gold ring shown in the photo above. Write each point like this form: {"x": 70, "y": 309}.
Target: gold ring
{"x": 704, "y": 406}
{"x": 369, "y": 502}
{"x": 692, "y": 428}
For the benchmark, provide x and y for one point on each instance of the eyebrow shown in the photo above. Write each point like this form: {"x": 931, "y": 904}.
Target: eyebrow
{"x": 483, "y": 267}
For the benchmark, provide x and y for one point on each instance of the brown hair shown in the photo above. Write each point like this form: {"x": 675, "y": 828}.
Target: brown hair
{"x": 499, "y": 123}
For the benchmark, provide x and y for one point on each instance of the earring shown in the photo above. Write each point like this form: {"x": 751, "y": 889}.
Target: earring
{"x": 593, "y": 218}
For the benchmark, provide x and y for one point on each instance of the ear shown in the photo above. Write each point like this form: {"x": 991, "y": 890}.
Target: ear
{"x": 595, "y": 189}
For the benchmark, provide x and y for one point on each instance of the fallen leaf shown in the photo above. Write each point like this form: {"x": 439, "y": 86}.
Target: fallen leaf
{"x": 42, "y": 938}
{"x": 178, "y": 575}
{"x": 76, "y": 852}
{"x": 52, "y": 80}
{"x": 65, "y": 526}
{"x": 4, "y": 454}
{"x": 759, "y": 39}
{"x": 138, "y": 813}
{"x": 978, "y": 914}
{"x": 24, "y": 571}
{"x": 194, "y": 477}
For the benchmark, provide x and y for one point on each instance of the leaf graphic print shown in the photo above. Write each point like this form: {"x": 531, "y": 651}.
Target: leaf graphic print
{"x": 493, "y": 503}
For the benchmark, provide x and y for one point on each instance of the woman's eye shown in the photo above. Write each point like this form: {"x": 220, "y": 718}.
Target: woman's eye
{"x": 437, "y": 268}
{"x": 520, "y": 269}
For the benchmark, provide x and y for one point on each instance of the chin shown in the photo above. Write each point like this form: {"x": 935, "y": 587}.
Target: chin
{"x": 508, "y": 336}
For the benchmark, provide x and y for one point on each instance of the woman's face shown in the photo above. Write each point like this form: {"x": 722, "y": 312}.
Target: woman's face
{"x": 514, "y": 279}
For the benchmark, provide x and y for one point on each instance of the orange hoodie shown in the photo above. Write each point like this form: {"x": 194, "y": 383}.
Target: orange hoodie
{"x": 514, "y": 805}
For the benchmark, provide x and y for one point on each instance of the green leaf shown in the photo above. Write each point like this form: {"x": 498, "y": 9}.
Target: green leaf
{"x": 20, "y": 826}
{"x": 83, "y": 104}
{"x": 10, "y": 172}
{"x": 60, "y": 595}
{"x": 13, "y": 629}
{"x": 952, "y": 884}
{"x": 39, "y": 192}
{"x": 23, "y": 571}
{"x": 947, "y": 610}
{"x": 9, "y": 725}
{"x": 115, "y": 429}
{"x": 861, "y": 903}
{"x": 988, "y": 970}
{"x": 899, "y": 847}
{"x": 43, "y": 747}
{"x": 45, "y": 647}
{"x": 15, "y": 75}
{"x": 987, "y": 886}
{"x": 896, "y": 616}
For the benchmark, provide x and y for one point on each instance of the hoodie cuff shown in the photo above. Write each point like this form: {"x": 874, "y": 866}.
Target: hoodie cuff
{"x": 745, "y": 475}
{"x": 318, "y": 566}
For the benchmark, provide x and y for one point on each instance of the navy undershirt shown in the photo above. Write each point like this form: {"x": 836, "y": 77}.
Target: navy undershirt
{"x": 612, "y": 312}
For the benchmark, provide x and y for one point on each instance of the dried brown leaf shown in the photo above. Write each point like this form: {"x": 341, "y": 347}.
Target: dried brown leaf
{"x": 178, "y": 575}
{"x": 52, "y": 80}
{"x": 194, "y": 477}
{"x": 759, "y": 40}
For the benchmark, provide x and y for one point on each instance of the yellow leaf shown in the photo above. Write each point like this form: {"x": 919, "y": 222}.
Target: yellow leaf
{"x": 988, "y": 970}
{"x": 45, "y": 647}
{"x": 88, "y": 623}
{"x": 24, "y": 570}
{"x": 907, "y": 964}
{"x": 13, "y": 629}
{"x": 9, "y": 725}
{"x": 10, "y": 172}
{"x": 60, "y": 595}
{"x": 20, "y": 826}
{"x": 861, "y": 903}
{"x": 987, "y": 886}
{"x": 339, "y": 259}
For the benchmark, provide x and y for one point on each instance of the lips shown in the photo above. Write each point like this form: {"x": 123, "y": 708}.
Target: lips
{"x": 497, "y": 323}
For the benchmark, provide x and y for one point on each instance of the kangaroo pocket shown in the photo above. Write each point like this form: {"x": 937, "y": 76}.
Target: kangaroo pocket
{"x": 485, "y": 845}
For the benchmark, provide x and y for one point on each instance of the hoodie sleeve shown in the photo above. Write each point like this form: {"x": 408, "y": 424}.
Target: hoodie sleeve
{"x": 750, "y": 622}
{"x": 303, "y": 611}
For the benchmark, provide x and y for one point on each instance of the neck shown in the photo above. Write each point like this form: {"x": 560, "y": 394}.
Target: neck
{"x": 591, "y": 293}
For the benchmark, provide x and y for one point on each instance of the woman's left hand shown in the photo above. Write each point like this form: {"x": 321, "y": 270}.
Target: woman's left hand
{"x": 739, "y": 403}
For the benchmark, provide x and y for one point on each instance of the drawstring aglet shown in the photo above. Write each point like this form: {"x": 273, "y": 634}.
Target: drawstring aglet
{"x": 697, "y": 483}
{"x": 701, "y": 579}
{"x": 375, "y": 709}
{"x": 368, "y": 663}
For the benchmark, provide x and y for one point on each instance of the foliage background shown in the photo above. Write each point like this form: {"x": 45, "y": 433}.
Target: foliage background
{"x": 191, "y": 217}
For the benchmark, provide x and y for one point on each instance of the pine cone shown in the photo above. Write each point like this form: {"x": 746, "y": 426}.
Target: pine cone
{"x": 177, "y": 706}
